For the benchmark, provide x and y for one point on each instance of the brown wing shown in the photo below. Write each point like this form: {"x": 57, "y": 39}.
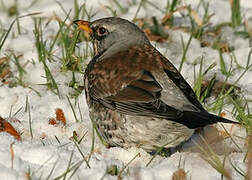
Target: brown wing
{"x": 141, "y": 98}
{"x": 135, "y": 81}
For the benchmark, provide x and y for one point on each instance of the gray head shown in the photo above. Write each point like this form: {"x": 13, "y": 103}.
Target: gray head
{"x": 112, "y": 34}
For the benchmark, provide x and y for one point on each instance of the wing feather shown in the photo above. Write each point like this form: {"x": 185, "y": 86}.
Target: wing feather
{"x": 141, "y": 82}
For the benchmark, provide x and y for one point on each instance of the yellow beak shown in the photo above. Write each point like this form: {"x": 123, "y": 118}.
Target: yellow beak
{"x": 83, "y": 25}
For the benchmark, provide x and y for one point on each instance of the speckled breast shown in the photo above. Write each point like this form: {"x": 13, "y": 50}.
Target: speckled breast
{"x": 139, "y": 131}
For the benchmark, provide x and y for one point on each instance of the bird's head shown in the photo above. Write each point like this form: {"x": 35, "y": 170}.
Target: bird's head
{"x": 112, "y": 34}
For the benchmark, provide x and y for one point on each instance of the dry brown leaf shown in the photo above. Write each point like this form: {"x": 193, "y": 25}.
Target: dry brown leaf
{"x": 167, "y": 17}
{"x": 3, "y": 60}
{"x": 60, "y": 118}
{"x": 5, "y": 73}
{"x": 196, "y": 17}
{"x": 5, "y": 67}
{"x": 180, "y": 174}
{"x": 7, "y": 127}
{"x": 52, "y": 121}
{"x": 153, "y": 37}
{"x": 147, "y": 30}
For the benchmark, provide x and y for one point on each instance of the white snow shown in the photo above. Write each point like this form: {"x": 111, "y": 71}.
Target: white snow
{"x": 38, "y": 156}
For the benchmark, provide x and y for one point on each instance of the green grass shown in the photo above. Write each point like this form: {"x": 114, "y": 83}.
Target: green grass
{"x": 185, "y": 49}
{"x": 236, "y": 13}
{"x": 43, "y": 54}
{"x": 74, "y": 59}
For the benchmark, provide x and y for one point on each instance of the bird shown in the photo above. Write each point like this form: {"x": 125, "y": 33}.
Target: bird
{"x": 135, "y": 95}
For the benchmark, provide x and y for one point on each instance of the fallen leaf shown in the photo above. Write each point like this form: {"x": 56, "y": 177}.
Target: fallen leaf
{"x": 52, "y": 121}
{"x": 7, "y": 127}
{"x": 180, "y": 174}
{"x": 60, "y": 118}
{"x": 196, "y": 17}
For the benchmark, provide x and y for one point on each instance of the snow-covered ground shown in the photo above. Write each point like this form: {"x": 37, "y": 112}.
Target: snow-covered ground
{"x": 51, "y": 147}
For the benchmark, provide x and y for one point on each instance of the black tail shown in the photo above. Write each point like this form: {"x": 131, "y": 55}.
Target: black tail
{"x": 195, "y": 120}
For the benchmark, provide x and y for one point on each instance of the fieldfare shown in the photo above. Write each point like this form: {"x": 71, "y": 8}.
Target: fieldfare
{"x": 136, "y": 96}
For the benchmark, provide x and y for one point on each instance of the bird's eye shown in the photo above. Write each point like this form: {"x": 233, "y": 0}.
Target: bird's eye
{"x": 102, "y": 31}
